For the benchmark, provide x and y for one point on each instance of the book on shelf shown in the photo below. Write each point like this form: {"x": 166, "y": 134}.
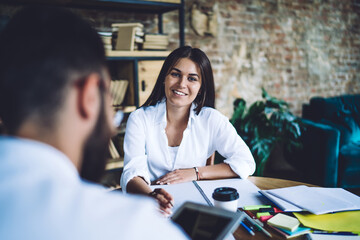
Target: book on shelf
{"x": 113, "y": 151}
{"x": 118, "y": 90}
{"x": 128, "y": 35}
{"x": 114, "y": 163}
{"x": 106, "y": 37}
{"x": 149, "y": 46}
{"x": 125, "y": 109}
{"x": 155, "y": 41}
{"x": 156, "y": 37}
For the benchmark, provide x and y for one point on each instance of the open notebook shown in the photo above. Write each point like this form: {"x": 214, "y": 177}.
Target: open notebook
{"x": 201, "y": 192}
{"x": 317, "y": 200}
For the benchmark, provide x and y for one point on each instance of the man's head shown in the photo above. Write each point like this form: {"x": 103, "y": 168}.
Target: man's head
{"x": 52, "y": 69}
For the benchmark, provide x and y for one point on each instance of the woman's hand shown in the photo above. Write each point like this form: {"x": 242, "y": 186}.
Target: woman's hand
{"x": 164, "y": 199}
{"x": 178, "y": 176}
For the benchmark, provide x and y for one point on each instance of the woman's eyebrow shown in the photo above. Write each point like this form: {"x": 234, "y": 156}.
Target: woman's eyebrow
{"x": 191, "y": 74}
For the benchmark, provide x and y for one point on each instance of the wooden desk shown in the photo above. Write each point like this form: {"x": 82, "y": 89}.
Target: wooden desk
{"x": 265, "y": 183}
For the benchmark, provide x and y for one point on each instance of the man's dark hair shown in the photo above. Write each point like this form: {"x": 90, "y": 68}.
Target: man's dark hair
{"x": 43, "y": 51}
{"x": 206, "y": 95}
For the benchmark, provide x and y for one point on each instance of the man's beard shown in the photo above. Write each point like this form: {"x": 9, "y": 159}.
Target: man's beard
{"x": 96, "y": 150}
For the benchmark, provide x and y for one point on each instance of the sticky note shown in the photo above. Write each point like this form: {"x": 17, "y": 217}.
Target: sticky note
{"x": 256, "y": 207}
{"x": 260, "y": 214}
{"x": 284, "y": 221}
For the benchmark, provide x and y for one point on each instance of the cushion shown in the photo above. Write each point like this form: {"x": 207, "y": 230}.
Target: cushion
{"x": 350, "y": 155}
{"x": 348, "y": 117}
{"x": 349, "y": 165}
{"x": 325, "y": 108}
{"x": 342, "y": 112}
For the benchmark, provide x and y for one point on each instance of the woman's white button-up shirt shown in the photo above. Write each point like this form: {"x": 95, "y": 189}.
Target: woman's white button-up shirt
{"x": 146, "y": 145}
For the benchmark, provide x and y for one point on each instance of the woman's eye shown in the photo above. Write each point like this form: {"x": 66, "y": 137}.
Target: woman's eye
{"x": 192, "y": 79}
{"x": 174, "y": 74}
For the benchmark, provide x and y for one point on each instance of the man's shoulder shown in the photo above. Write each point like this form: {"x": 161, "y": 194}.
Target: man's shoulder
{"x": 128, "y": 216}
{"x": 83, "y": 210}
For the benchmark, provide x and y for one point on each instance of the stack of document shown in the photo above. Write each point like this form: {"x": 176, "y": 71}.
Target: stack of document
{"x": 287, "y": 226}
{"x": 316, "y": 200}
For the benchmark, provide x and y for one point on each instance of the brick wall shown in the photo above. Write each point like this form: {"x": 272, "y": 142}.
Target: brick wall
{"x": 295, "y": 49}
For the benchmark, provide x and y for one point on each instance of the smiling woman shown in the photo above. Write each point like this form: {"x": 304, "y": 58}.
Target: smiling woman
{"x": 169, "y": 139}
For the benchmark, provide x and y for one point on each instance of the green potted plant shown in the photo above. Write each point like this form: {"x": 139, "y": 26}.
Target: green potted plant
{"x": 268, "y": 127}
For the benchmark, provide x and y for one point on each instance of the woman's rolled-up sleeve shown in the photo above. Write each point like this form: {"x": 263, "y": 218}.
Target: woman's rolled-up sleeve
{"x": 235, "y": 151}
{"x": 135, "y": 159}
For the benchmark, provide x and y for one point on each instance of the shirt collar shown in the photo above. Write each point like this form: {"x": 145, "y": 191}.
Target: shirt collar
{"x": 161, "y": 113}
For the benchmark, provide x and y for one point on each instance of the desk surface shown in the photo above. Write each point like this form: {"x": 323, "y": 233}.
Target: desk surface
{"x": 265, "y": 183}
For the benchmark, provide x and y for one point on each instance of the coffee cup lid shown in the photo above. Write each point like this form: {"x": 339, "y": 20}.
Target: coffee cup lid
{"x": 225, "y": 194}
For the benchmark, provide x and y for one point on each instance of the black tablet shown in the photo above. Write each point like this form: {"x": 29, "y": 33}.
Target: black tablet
{"x": 203, "y": 222}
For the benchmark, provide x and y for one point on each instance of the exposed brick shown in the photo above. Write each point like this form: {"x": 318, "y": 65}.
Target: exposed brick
{"x": 296, "y": 49}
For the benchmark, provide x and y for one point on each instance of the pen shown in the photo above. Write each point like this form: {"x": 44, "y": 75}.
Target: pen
{"x": 250, "y": 214}
{"x": 258, "y": 226}
{"x": 250, "y": 225}
{"x": 253, "y": 217}
{"x": 270, "y": 210}
{"x": 247, "y": 229}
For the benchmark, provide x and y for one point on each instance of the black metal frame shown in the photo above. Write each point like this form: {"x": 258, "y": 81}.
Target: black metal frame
{"x": 119, "y": 5}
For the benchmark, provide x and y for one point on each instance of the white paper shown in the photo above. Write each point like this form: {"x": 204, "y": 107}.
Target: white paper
{"x": 181, "y": 193}
{"x": 282, "y": 204}
{"x": 248, "y": 192}
{"x": 313, "y": 236}
{"x": 318, "y": 200}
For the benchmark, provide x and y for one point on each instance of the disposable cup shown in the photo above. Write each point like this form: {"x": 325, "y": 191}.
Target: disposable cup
{"x": 226, "y": 198}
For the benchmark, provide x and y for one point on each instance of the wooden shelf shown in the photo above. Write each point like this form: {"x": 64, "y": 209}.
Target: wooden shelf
{"x": 138, "y": 54}
{"x": 165, "y": 1}
{"x": 125, "y": 109}
{"x": 114, "y": 164}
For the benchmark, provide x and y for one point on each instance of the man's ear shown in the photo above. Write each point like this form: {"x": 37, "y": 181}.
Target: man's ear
{"x": 89, "y": 97}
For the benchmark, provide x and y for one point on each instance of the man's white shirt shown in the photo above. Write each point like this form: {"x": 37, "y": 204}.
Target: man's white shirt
{"x": 43, "y": 197}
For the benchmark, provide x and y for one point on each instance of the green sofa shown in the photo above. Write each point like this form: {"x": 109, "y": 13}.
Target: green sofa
{"x": 331, "y": 142}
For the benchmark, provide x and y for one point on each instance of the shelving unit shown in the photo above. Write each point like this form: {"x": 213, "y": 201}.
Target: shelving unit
{"x": 149, "y": 7}
{"x": 139, "y": 67}
{"x": 158, "y": 7}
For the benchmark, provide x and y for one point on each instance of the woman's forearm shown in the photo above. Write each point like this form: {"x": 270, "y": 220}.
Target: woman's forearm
{"x": 138, "y": 185}
{"x": 217, "y": 171}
